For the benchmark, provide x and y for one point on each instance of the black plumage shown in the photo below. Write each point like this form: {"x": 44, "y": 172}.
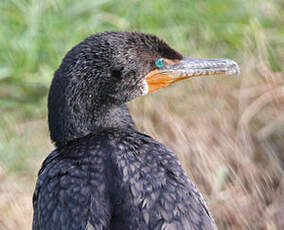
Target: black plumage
{"x": 104, "y": 173}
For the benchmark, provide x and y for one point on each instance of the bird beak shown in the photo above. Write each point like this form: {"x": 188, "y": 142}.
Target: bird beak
{"x": 176, "y": 70}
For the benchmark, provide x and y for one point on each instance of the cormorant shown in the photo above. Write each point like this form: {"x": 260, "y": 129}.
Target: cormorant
{"x": 104, "y": 173}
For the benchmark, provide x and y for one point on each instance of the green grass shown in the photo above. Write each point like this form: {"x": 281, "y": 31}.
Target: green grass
{"x": 227, "y": 132}
{"x": 36, "y": 34}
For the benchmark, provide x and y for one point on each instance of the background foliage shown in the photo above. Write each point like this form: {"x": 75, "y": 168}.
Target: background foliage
{"x": 227, "y": 132}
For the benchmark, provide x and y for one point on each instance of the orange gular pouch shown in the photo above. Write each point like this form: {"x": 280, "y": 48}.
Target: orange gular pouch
{"x": 156, "y": 80}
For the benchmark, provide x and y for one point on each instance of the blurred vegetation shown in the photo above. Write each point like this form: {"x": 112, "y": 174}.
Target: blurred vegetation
{"x": 36, "y": 34}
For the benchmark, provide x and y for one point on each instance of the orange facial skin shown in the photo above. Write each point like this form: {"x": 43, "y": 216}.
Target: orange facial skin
{"x": 157, "y": 80}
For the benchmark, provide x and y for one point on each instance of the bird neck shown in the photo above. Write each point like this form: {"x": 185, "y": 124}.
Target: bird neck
{"x": 66, "y": 126}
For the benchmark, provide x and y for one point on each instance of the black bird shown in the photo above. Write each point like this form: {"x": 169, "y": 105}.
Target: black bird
{"x": 104, "y": 173}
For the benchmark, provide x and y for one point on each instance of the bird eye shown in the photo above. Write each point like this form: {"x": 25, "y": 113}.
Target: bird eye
{"x": 160, "y": 62}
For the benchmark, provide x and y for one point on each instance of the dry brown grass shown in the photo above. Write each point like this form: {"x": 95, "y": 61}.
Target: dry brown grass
{"x": 17, "y": 187}
{"x": 230, "y": 139}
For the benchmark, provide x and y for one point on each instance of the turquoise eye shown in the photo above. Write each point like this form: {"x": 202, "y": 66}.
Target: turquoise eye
{"x": 160, "y": 62}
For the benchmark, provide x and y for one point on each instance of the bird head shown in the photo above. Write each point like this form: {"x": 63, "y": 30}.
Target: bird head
{"x": 109, "y": 69}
